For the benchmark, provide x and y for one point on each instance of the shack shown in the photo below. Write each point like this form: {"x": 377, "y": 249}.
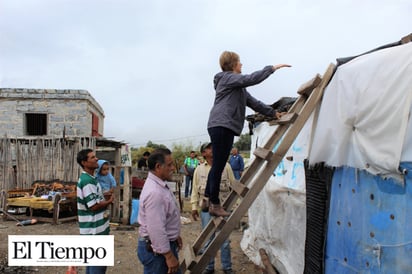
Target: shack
{"x": 41, "y": 132}
{"x": 340, "y": 200}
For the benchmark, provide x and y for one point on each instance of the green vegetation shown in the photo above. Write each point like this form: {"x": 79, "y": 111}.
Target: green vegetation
{"x": 181, "y": 151}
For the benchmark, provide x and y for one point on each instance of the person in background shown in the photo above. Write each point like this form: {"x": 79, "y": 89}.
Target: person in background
{"x": 106, "y": 180}
{"x": 91, "y": 203}
{"x": 227, "y": 116}
{"x": 190, "y": 165}
{"x": 236, "y": 163}
{"x": 142, "y": 163}
{"x": 159, "y": 218}
{"x": 197, "y": 200}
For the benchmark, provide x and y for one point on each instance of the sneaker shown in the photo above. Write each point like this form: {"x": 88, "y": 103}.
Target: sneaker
{"x": 228, "y": 271}
{"x": 208, "y": 271}
{"x": 204, "y": 205}
{"x": 218, "y": 211}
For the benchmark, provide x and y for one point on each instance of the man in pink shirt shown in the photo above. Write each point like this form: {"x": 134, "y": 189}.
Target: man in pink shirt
{"x": 159, "y": 218}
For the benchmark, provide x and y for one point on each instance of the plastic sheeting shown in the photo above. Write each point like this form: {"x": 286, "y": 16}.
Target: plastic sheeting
{"x": 369, "y": 228}
{"x": 365, "y": 113}
{"x": 277, "y": 218}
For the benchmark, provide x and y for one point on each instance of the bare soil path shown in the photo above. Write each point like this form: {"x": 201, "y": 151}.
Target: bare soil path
{"x": 126, "y": 260}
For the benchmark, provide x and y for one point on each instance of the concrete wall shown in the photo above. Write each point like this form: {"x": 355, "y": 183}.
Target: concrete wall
{"x": 69, "y": 109}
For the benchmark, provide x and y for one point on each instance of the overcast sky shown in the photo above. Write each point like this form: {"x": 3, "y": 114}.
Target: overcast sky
{"x": 150, "y": 64}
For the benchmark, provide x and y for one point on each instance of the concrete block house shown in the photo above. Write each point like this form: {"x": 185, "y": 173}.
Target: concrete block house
{"x": 49, "y": 112}
{"x": 41, "y": 131}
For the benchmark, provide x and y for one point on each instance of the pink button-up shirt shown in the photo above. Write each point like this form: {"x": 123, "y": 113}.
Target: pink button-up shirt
{"x": 159, "y": 215}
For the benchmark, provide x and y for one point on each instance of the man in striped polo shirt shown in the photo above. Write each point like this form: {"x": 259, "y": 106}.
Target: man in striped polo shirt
{"x": 91, "y": 204}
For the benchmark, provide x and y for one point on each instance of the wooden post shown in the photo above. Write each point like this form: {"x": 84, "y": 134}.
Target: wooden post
{"x": 116, "y": 203}
{"x": 126, "y": 195}
{"x": 266, "y": 262}
{"x": 117, "y": 191}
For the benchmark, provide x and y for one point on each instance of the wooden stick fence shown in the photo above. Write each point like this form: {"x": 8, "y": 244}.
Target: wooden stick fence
{"x": 27, "y": 160}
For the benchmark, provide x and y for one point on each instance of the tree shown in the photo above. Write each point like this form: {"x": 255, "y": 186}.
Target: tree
{"x": 154, "y": 146}
{"x": 244, "y": 142}
{"x": 179, "y": 152}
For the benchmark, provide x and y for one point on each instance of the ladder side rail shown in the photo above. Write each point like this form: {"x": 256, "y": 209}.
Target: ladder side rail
{"x": 257, "y": 163}
{"x": 305, "y": 113}
{"x": 204, "y": 236}
{"x": 278, "y": 132}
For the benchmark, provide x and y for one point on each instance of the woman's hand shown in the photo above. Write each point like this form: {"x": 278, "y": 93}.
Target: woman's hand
{"x": 276, "y": 67}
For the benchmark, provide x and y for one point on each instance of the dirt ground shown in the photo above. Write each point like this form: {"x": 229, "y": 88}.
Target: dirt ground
{"x": 125, "y": 241}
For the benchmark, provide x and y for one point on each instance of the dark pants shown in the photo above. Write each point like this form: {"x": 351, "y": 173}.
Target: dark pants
{"x": 96, "y": 269}
{"x": 222, "y": 142}
{"x": 154, "y": 263}
{"x": 188, "y": 185}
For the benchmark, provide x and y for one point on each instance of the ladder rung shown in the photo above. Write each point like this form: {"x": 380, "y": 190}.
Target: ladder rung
{"x": 262, "y": 153}
{"x": 219, "y": 222}
{"x": 239, "y": 188}
{"x": 306, "y": 88}
{"x": 287, "y": 118}
{"x": 189, "y": 256}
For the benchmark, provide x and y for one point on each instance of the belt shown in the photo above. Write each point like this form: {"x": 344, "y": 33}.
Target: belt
{"x": 148, "y": 242}
{"x": 147, "y": 238}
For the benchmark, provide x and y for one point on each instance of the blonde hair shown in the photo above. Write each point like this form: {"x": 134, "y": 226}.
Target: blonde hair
{"x": 228, "y": 60}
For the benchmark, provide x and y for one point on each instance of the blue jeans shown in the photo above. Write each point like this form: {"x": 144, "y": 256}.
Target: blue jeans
{"x": 222, "y": 142}
{"x": 225, "y": 256}
{"x": 96, "y": 269}
{"x": 154, "y": 263}
{"x": 188, "y": 185}
{"x": 236, "y": 173}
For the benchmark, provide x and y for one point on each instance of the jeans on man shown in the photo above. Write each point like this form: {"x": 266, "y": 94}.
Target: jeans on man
{"x": 225, "y": 256}
{"x": 154, "y": 263}
{"x": 99, "y": 269}
{"x": 236, "y": 173}
{"x": 188, "y": 185}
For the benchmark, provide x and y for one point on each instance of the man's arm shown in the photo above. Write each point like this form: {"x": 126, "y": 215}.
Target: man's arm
{"x": 112, "y": 180}
{"x": 242, "y": 164}
{"x": 185, "y": 164}
{"x": 102, "y": 204}
{"x": 171, "y": 261}
{"x": 92, "y": 200}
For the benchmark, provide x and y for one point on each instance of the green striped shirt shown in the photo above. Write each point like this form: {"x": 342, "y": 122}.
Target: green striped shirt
{"x": 89, "y": 193}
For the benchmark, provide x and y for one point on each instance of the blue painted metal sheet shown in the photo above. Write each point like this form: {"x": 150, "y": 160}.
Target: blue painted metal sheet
{"x": 370, "y": 223}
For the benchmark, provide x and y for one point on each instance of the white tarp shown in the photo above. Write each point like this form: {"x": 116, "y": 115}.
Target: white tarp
{"x": 365, "y": 113}
{"x": 277, "y": 218}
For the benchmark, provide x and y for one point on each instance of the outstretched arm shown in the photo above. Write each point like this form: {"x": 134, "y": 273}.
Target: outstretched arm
{"x": 278, "y": 66}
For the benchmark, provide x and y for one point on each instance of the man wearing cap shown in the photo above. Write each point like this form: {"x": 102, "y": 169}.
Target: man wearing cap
{"x": 198, "y": 200}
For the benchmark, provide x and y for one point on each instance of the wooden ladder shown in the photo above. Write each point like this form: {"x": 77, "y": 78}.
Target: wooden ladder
{"x": 255, "y": 177}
